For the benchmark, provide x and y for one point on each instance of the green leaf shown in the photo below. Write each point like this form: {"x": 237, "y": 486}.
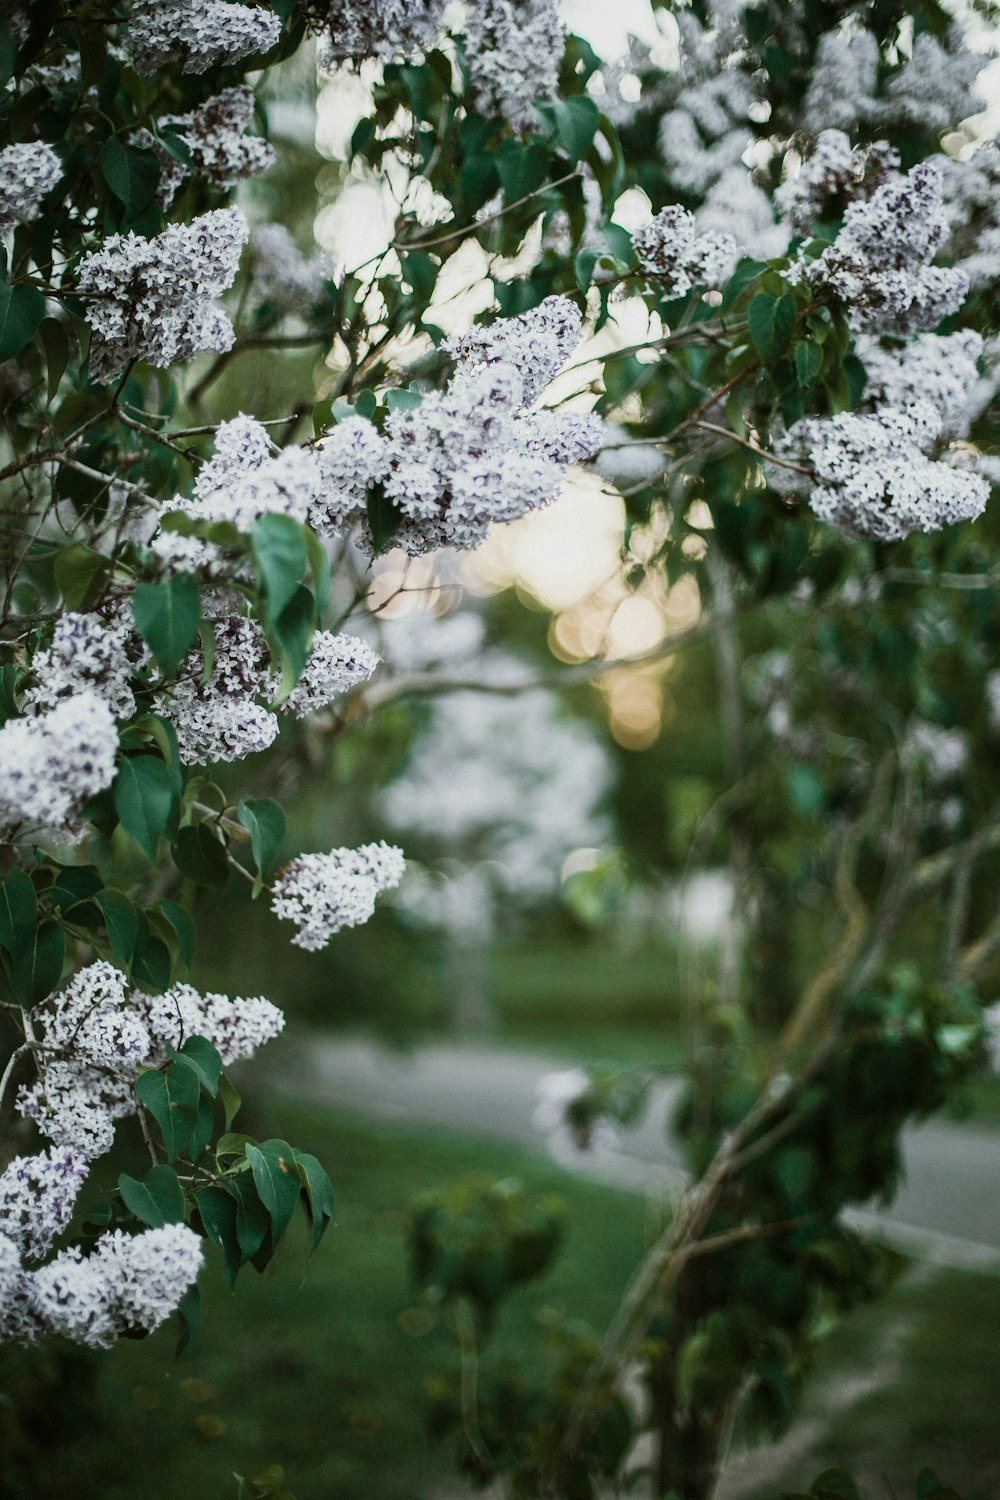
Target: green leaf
{"x": 265, "y": 822}
{"x": 38, "y": 970}
{"x": 121, "y": 918}
{"x": 131, "y": 174}
{"x": 522, "y": 169}
{"x": 218, "y": 1210}
{"x": 55, "y": 343}
{"x": 384, "y": 518}
{"x": 183, "y": 926}
{"x": 151, "y": 966}
{"x": 574, "y": 120}
{"x": 205, "y": 1059}
{"x": 279, "y": 550}
{"x": 835, "y": 1484}
{"x": 200, "y": 856}
{"x": 319, "y": 1194}
{"x": 252, "y": 1219}
{"x": 157, "y": 1200}
{"x": 771, "y": 321}
{"x": 81, "y": 574}
{"x": 171, "y": 1095}
{"x": 18, "y": 913}
{"x": 22, "y": 309}
{"x": 204, "y": 1126}
{"x": 167, "y": 616}
{"x": 189, "y": 1313}
{"x": 293, "y": 633}
{"x": 277, "y": 1180}
{"x": 230, "y": 1099}
{"x": 145, "y": 800}
{"x": 74, "y": 885}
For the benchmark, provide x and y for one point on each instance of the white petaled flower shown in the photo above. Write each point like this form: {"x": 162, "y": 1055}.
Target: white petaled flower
{"x": 235, "y": 1027}
{"x": 875, "y": 478}
{"x": 154, "y": 299}
{"x": 214, "y": 134}
{"x": 841, "y": 92}
{"x": 536, "y": 343}
{"x": 879, "y": 264}
{"x": 971, "y": 191}
{"x": 670, "y": 248}
{"x": 388, "y": 29}
{"x": 88, "y": 652}
{"x": 353, "y": 456}
{"x": 282, "y": 276}
{"x": 933, "y": 88}
{"x": 128, "y": 1283}
{"x": 737, "y": 207}
{"x": 513, "y": 52}
{"x": 51, "y": 765}
{"x": 943, "y": 753}
{"x": 37, "y": 1197}
{"x": 336, "y": 664}
{"x": 148, "y": 1273}
{"x": 940, "y": 368}
{"x": 323, "y": 893}
{"x": 197, "y": 33}
{"x": 220, "y": 720}
{"x": 188, "y": 554}
{"x": 28, "y": 171}
{"x": 92, "y": 1045}
{"x": 246, "y": 479}
{"x": 704, "y": 132}
{"x": 834, "y": 168}
{"x": 476, "y": 453}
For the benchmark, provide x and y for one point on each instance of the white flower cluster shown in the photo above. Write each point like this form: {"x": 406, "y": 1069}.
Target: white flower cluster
{"x": 155, "y": 299}
{"x": 931, "y": 89}
{"x": 972, "y": 198}
{"x": 941, "y": 753}
{"x": 235, "y": 1028}
{"x": 834, "y": 168}
{"x": 379, "y": 28}
{"x": 247, "y": 479}
{"x": 220, "y": 719}
{"x": 323, "y": 893}
{"x": 128, "y": 1284}
{"x": 93, "y": 1039}
{"x": 198, "y": 33}
{"x": 670, "y": 248}
{"x": 28, "y": 170}
{"x": 88, "y": 652}
{"x": 874, "y": 476}
{"x": 282, "y": 276}
{"x": 512, "y": 781}
{"x": 704, "y": 132}
{"x": 475, "y": 453}
{"x": 337, "y": 663}
{"x": 220, "y": 150}
{"x": 841, "y": 90}
{"x": 879, "y": 264}
{"x": 52, "y": 764}
{"x": 942, "y": 369}
{"x": 465, "y": 457}
{"x": 189, "y": 554}
{"x": 37, "y": 1196}
{"x": 735, "y": 202}
{"x": 513, "y": 52}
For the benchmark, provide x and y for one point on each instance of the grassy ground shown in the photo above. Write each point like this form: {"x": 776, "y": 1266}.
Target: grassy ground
{"x": 320, "y": 1366}
{"x": 905, "y": 1383}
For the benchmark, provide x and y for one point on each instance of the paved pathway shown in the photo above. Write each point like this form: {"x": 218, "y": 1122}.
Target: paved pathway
{"x": 948, "y": 1209}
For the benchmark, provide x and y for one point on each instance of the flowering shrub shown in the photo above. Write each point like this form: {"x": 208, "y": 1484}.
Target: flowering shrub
{"x": 814, "y": 384}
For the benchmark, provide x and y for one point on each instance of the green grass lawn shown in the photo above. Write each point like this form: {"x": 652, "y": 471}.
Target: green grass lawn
{"x": 320, "y": 1365}
{"x": 905, "y": 1383}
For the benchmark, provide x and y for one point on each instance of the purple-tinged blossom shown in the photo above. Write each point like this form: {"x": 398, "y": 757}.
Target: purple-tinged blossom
{"x": 199, "y": 34}
{"x": 323, "y": 893}
{"x": 28, "y": 171}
